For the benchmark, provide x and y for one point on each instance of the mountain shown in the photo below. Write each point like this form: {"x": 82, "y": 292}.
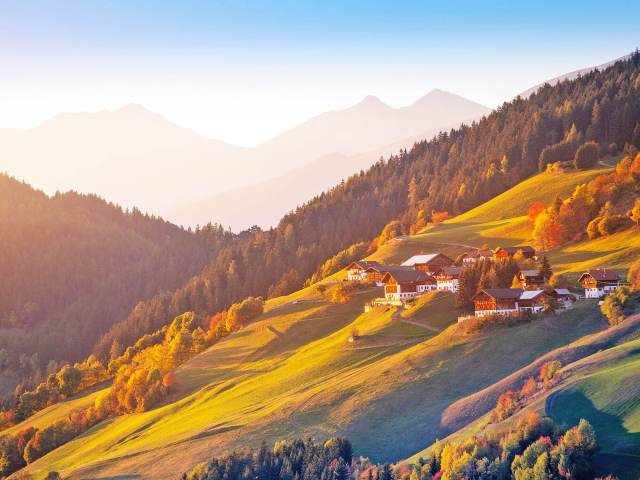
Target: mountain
{"x": 571, "y": 76}
{"x": 114, "y": 153}
{"x": 72, "y": 265}
{"x": 344, "y": 143}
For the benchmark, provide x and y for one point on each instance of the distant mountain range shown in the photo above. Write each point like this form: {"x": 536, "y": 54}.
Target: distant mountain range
{"x": 345, "y": 141}
{"x": 138, "y": 158}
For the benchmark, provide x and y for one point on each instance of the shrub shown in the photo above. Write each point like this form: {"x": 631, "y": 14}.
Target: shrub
{"x": 586, "y": 156}
{"x": 240, "y": 314}
{"x": 549, "y": 371}
{"x": 618, "y": 305}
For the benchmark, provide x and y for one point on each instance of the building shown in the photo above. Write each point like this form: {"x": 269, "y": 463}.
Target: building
{"x": 598, "y": 283}
{"x": 496, "y": 301}
{"x": 509, "y": 252}
{"x": 430, "y": 262}
{"x": 533, "y": 301}
{"x": 531, "y": 279}
{"x": 508, "y": 301}
{"x": 448, "y": 279}
{"x": 376, "y": 273}
{"x": 357, "y": 271}
{"x": 402, "y": 284}
{"x": 476, "y": 256}
{"x": 564, "y": 297}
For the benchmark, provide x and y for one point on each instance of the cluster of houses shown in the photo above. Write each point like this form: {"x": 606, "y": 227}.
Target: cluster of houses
{"x": 416, "y": 276}
{"x": 435, "y": 271}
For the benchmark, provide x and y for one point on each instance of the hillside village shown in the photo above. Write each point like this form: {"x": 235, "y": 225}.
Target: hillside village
{"x": 532, "y": 291}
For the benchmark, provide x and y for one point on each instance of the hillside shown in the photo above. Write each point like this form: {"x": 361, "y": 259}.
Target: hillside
{"x": 453, "y": 172}
{"x": 72, "y": 265}
{"x": 598, "y": 383}
{"x": 293, "y": 373}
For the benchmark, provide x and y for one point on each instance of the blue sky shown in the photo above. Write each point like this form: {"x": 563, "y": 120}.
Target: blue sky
{"x": 242, "y": 71}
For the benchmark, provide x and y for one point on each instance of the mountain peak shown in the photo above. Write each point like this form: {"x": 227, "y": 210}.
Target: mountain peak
{"x": 371, "y": 101}
{"x": 134, "y": 109}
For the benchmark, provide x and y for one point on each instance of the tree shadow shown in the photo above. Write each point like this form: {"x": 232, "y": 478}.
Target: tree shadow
{"x": 617, "y": 447}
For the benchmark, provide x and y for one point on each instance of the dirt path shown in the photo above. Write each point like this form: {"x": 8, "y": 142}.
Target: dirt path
{"x": 397, "y": 316}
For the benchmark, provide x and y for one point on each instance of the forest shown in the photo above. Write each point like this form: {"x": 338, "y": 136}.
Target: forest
{"x": 532, "y": 448}
{"x": 451, "y": 173}
{"x": 72, "y": 265}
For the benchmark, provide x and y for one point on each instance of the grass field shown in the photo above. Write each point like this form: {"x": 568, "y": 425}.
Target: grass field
{"x": 400, "y": 385}
{"x": 601, "y": 383}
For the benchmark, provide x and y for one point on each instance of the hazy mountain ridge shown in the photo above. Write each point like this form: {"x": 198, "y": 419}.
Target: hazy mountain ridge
{"x": 115, "y": 153}
{"x": 379, "y": 131}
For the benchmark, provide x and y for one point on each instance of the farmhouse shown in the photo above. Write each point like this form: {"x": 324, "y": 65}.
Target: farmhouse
{"x": 529, "y": 279}
{"x": 476, "y": 256}
{"x": 508, "y": 301}
{"x": 564, "y": 297}
{"x": 447, "y": 279}
{"x": 598, "y": 283}
{"x": 508, "y": 252}
{"x": 496, "y": 301}
{"x": 357, "y": 271}
{"x": 533, "y": 301}
{"x": 430, "y": 263}
{"x": 406, "y": 283}
{"x": 377, "y": 272}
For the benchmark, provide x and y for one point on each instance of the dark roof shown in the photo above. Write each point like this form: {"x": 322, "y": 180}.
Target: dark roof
{"x": 364, "y": 264}
{"x": 479, "y": 253}
{"x": 530, "y": 273}
{"x": 451, "y": 271}
{"x": 513, "y": 250}
{"x": 502, "y": 293}
{"x": 387, "y": 268}
{"x": 603, "y": 275}
{"x": 408, "y": 274}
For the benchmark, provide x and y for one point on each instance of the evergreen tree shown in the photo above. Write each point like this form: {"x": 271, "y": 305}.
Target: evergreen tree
{"x": 545, "y": 268}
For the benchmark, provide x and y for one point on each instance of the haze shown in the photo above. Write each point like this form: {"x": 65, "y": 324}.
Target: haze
{"x": 243, "y": 72}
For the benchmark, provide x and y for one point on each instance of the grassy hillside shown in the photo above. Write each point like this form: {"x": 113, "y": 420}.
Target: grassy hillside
{"x": 294, "y": 373}
{"x": 600, "y": 382}
{"x": 403, "y": 383}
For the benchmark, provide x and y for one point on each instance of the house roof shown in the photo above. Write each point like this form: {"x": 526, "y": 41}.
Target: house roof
{"x": 408, "y": 274}
{"x": 530, "y": 294}
{"x": 513, "y": 250}
{"x": 451, "y": 271}
{"x": 421, "y": 259}
{"x": 530, "y": 273}
{"x": 364, "y": 264}
{"x": 562, "y": 291}
{"x": 603, "y": 275}
{"x": 479, "y": 253}
{"x": 502, "y": 293}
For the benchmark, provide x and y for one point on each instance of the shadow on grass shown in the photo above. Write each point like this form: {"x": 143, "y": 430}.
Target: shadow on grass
{"x": 617, "y": 447}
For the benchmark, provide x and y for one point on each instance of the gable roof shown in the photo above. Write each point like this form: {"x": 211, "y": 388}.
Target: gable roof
{"x": 562, "y": 292}
{"x": 408, "y": 274}
{"x": 422, "y": 259}
{"x": 514, "y": 250}
{"x": 452, "y": 271}
{"x": 364, "y": 264}
{"x": 602, "y": 275}
{"x": 530, "y": 273}
{"x": 531, "y": 294}
{"x": 502, "y": 293}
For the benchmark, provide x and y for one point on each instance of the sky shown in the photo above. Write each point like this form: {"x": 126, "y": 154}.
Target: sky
{"x": 243, "y": 71}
